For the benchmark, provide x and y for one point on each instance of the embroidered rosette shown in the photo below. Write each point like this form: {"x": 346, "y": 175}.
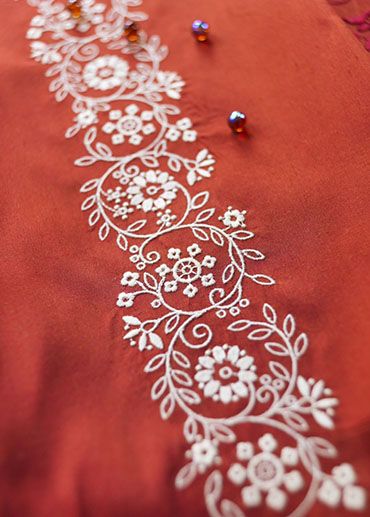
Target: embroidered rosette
{"x": 248, "y": 411}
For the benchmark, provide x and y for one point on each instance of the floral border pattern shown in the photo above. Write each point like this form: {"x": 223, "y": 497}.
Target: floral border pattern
{"x": 146, "y": 197}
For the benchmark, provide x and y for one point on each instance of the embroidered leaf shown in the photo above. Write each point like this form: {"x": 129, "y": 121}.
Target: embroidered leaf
{"x": 88, "y": 203}
{"x": 185, "y": 476}
{"x": 200, "y": 234}
{"x": 174, "y": 164}
{"x": 155, "y": 363}
{"x": 191, "y": 178}
{"x": 136, "y": 226}
{"x": 103, "y": 150}
{"x": 156, "y": 341}
{"x": 276, "y": 348}
{"x": 303, "y": 386}
{"x": 323, "y": 419}
{"x": 217, "y": 238}
{"x": 89, "y": 185}
{"x": 260, "y": 334}
{"x": 161, "y": 148}
{"x": 61, "y": 95}
{"x": 150, "y": 281}
{"x": 289, "y": 325}
{"x": 239, "y": 325}
{"x": 182, "y": 378}
{"x": 199, "y": 200}
{"x": 172, "y": 323}
{"x": 279, "y": 370}
{"x": 85, "y": 161}
{"x": 205, "y": 215}
{"x": 222, "y": 433}
{"x": 230, "y": 509}
{"x": 181, "y": 359}
{"x": 72, "y": 131}
{"x": 317, "y": 390}
{"x": 253, "y": 254}
{"x": 242, "y": 235}
{"x": 190, "y": 429}
{"x": 131, "y": 320}
{"x": 213, "y": 487}
{"x": 269, "y": 313}
{"x": 301, "y": 345}
{"x": 143, "y": 341}
{"x": 190, "y": 396}
{"x": 202, "y": 155}
{"x": 322, "y": 447}
{"x": 295, "y": 421}
{"x": 122, "y": 242}
{"x": 94, "y": 217}
{"x": 158, "y": 388}
{"x": 149, "y": 161}
{"x": 262, "y": 279}
{"x": 228, "y": 273}
{"x": 104, "y": 231}
{"x": 131, "y": 333}
{"x": 90, "y": 136}
{"x": 167, "y": 406}
{"x": 326, "y": 403}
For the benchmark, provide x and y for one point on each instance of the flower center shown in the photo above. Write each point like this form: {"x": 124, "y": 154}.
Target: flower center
{"x": 129, "y": 125}
{"x": 225, "y": 372}
{"x": 105, "y": 72}
{"x": 266, "y": 471}
{"x": 152, "y": 190}
{"x": 187, "y": 270}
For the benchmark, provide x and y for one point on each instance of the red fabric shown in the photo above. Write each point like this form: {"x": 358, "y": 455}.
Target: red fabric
{"x": 79, "y": 434}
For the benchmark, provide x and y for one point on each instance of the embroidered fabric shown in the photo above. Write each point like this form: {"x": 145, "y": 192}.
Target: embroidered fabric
{"x": 247, "y": 407}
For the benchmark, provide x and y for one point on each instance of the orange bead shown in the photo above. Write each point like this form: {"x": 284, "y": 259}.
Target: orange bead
{"x": 200, "y": 30}
{"x": 74, "y": 7}
{"x": 237, "y": 121}
{"x": 131, "y": 31}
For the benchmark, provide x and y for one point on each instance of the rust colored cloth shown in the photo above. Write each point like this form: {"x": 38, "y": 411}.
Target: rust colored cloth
{"x": 79, "y": 433}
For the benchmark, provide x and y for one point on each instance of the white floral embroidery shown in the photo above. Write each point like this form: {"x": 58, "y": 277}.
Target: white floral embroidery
{"x": 120, "y": 98}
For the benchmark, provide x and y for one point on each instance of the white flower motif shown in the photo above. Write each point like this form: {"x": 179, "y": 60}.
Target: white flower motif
{"x": 86, "y": 118}
{"x": 181, "y": 129}
{"x": 34, "y": 33}
{"x": 203, "y": 454}
{"x": 174, "y": 253}
{"x": 151, "y": 190}
{"x": 190, "y": 291}
{"x": 194, "y": 250}
{"x": 122, "y": 210}
{"x": 289, "y": 455}
{"x": 329, "y": 493}
{"x": 92, "y": 14}
{"x": 105, "y": 72}
{"x": 188, "y": 269}
{"x": 129, "y": 278}
{"x": 267, "y": 473}
{"x": 209, "y": 261}
{"x": 125, "y": 300}
{"x": 225, "y": 373}
{"x": 44, "y": 54}
{"x": 162, "y": 270}
{"x": 170, "y": 287}
{"x": 165, "y": 218}
{"x": 237, "y": 474}
{"x": 233, "y": 218}
{"x": 354, "y": 498}
{"x": 344, "y": 474}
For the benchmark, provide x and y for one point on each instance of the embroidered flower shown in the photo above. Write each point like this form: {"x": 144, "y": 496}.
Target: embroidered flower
{"x": 166, "y": 218}
{"x": 233, "y": 218}
{"x": 187, "y": 270}
{"x": 129, "y": 124}
{"x": 266, "y": 473}
{"x": 171, "y": 83}
{"x": 86, "y": 118}
{"x": 151, "y": 190}
{"x": 105, "y": 72}
{"x": 182, "y": 128}
{"x": 92, "y": 14}
{"x": 125, "y": 300}
{"x": 122, "y": 210}
{"x": 130, "y": 279}
{"x": 341, "y": 487}
{"x": 44, "y": 54}
{"x": 204, "y": 454}
{"x": 225, "y": 373}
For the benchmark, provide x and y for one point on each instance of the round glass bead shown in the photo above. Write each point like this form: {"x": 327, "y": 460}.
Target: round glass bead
{"x": 131, "y": 31}
{"x": 237, "y": 121}
{"x": 74, "y": 7}
{"x": 200, "y": 30}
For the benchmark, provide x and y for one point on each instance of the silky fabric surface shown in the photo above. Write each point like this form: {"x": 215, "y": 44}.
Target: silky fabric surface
{"x": 79, "y": 435}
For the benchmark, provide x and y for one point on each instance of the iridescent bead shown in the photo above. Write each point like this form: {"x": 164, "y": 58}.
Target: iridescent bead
{"x": 74, "y": 7}
{"x": 131, "y": 31}
{"x": 237, "y": 121}
{"x": 200, "y": 30}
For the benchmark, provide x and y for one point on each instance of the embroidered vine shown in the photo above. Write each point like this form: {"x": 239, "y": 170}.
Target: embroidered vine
{"x": 247, "y": 408}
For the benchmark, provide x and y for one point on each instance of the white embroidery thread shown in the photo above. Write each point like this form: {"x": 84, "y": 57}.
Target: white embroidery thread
{"x": 143, "y": 198}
